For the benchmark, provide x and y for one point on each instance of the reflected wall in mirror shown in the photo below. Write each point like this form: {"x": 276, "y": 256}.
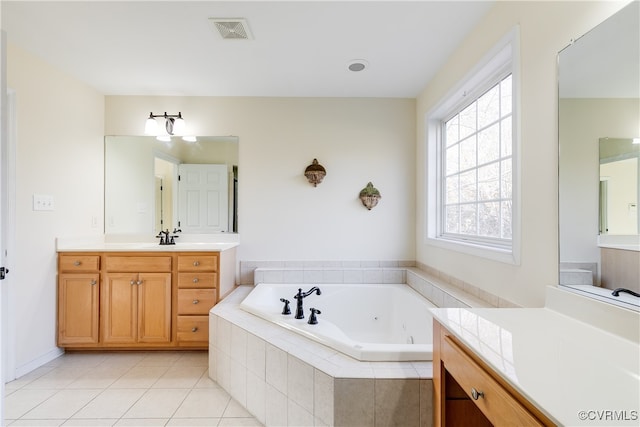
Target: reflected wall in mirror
{"x": 619, "y": 185}
{"x": 153, "y": 185}
{"x": 599, "y": 105}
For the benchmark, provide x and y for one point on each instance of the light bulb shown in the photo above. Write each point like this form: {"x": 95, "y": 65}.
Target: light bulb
{"x": 179, "y": 126}
{"x": 151, "y": 126}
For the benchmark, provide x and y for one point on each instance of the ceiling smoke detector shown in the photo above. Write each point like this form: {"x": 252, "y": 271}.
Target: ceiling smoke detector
{"x": 232, "y": 28}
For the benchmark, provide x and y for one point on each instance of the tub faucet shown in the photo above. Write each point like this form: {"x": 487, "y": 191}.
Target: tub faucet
{"x": 628, "y": 291}
{"x": 302, "y": 295}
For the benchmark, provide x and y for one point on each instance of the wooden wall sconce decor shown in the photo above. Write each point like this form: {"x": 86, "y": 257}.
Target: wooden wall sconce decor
{"x": 370, "y": 196}
{"x": 315, "y": 172}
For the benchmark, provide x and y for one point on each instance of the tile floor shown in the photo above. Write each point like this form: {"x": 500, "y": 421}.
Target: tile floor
{"x": 122, "y": 389}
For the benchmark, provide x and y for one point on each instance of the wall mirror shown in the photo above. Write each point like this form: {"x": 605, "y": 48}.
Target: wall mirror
{"x": 153, "y": 185}
{"x": 598, "y": 129}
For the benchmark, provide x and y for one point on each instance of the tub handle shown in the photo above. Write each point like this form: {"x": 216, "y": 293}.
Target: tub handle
{"x": 313, "y": 320}
{"x": 285, "y": 309}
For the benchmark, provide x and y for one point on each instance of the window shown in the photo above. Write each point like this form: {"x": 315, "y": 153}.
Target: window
{"x": 472, "y": 161}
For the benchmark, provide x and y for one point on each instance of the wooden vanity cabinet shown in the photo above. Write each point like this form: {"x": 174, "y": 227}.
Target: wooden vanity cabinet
{"x": 467, "y": 392}
{"x": 136, "y": 300}
{"x": 78, "y": 296}
{"x": 198, "y": 292}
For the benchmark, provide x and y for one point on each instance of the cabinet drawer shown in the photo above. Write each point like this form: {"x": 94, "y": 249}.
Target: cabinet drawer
{"x": 79, "y": 263}
{"x": 138, "y": 263}
{"x": 197, "y": 280}
{"x": 193, "y": 328}
{"x": 196, "y": 262}
{"x": 498, "y": 405}
{"x": 196, "y": 301}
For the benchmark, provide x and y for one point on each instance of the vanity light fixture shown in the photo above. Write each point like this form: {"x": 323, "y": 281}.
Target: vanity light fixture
{"x": 315, "y": 172}
{"x": 174, "y": 124}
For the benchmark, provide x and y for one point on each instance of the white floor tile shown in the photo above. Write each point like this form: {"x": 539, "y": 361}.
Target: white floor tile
{"x": 157, "y": 403}
{"x": 204, "y": 403}
{"x": 123, "y": 389}
{"x": 142, "y": 422}
{"x": 140, "y": 377}
{"x": 111, "y": 403}
{"x": 62, "y": 405}
{"x": 180, "y": 377}
{"x": 22, "y": 401}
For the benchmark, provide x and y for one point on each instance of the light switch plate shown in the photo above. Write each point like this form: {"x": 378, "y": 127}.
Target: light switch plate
{"x": 43, "y": 202}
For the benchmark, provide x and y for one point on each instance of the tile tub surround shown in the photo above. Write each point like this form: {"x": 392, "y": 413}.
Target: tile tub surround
{"x": 285, "y": 379}
{"x": 442, "y": 289}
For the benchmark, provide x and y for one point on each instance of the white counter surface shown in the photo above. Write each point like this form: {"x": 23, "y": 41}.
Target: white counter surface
{"x": 573, "y": 372}
{"x": 184, "y": 243}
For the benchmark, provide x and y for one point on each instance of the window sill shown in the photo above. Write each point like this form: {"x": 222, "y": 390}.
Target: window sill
{"x": 505, "y": 256}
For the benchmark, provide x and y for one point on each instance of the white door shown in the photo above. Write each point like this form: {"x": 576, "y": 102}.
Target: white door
{"x": 7, "y": 223}
{"x": 203, "y": 198}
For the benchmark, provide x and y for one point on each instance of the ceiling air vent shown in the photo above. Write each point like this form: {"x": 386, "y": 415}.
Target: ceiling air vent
{"x": 232, "y": 28}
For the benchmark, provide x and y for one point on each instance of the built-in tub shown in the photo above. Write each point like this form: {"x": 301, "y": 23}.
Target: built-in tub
{"x": 369, "y": 322}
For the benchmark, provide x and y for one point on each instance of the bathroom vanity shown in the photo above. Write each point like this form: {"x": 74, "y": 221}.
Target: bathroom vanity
{"x": 140, "y": 296}
{"x": 573, "y": 362}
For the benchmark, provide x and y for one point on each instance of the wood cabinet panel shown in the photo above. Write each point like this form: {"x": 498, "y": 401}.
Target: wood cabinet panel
{"x": 198, "y": 262}
{"x": 79, "y": 263}
{"x": 146, "y": 300}
{"x": 197, "y": 280}
{"x": 137, "y": 264}
{"x": 467, "y": 392}
{"x": 78, "y": 321}
{"x": 494, "y": 402}
{"x": 154, "y": 308}
{"x": 196, "y": 301}
{"x": 119, "y": 308}
{"x": 193, "y": 329}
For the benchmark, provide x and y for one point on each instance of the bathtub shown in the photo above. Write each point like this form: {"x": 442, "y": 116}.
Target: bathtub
{"x": 369, "y": 322}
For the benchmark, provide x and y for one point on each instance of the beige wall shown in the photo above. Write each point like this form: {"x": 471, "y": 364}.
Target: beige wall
{"x": 545, "y": 29}
{"x": 281, "y": 215}
{"x": 60, "y": 130}
{"x": 585, "y": 121}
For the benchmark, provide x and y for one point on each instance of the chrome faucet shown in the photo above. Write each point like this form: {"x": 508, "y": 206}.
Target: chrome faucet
{"x": 302, "y": 295}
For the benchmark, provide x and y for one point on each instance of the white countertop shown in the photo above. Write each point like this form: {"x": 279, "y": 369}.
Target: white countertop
{"x": 186, "y": 243}
{"x": 561, "y": 365}
{"x": 622, "y": 242}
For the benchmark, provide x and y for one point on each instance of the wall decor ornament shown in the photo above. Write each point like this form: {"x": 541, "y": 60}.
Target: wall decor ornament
{"x": 370, "y": 196}
{"x": 315, "y": 172}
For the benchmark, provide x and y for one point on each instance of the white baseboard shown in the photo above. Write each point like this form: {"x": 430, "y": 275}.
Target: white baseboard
{"x": 36, "y": 363}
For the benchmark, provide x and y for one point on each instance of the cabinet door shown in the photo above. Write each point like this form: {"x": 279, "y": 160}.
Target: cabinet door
{"x": 154, "y": 308}
{"x": 78, "y": 309}
{"x": 119, "y": 308}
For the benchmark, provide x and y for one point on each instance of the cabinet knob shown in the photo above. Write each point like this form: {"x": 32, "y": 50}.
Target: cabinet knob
{"x": 475, "y": 394}
{"x": 196, "y": 263}
{"x": 77, "y": 263}
{"x": 196, "y": 280}
{"x": 139, "y": 282}
{"x": 195, "y": 301}
{"x": 93, "y": 282}
{"x": 194, "y": 329}
{"x": 132, "y": 282}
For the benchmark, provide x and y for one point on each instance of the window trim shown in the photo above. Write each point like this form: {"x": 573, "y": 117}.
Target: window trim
{"x": 501, "y": 60}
